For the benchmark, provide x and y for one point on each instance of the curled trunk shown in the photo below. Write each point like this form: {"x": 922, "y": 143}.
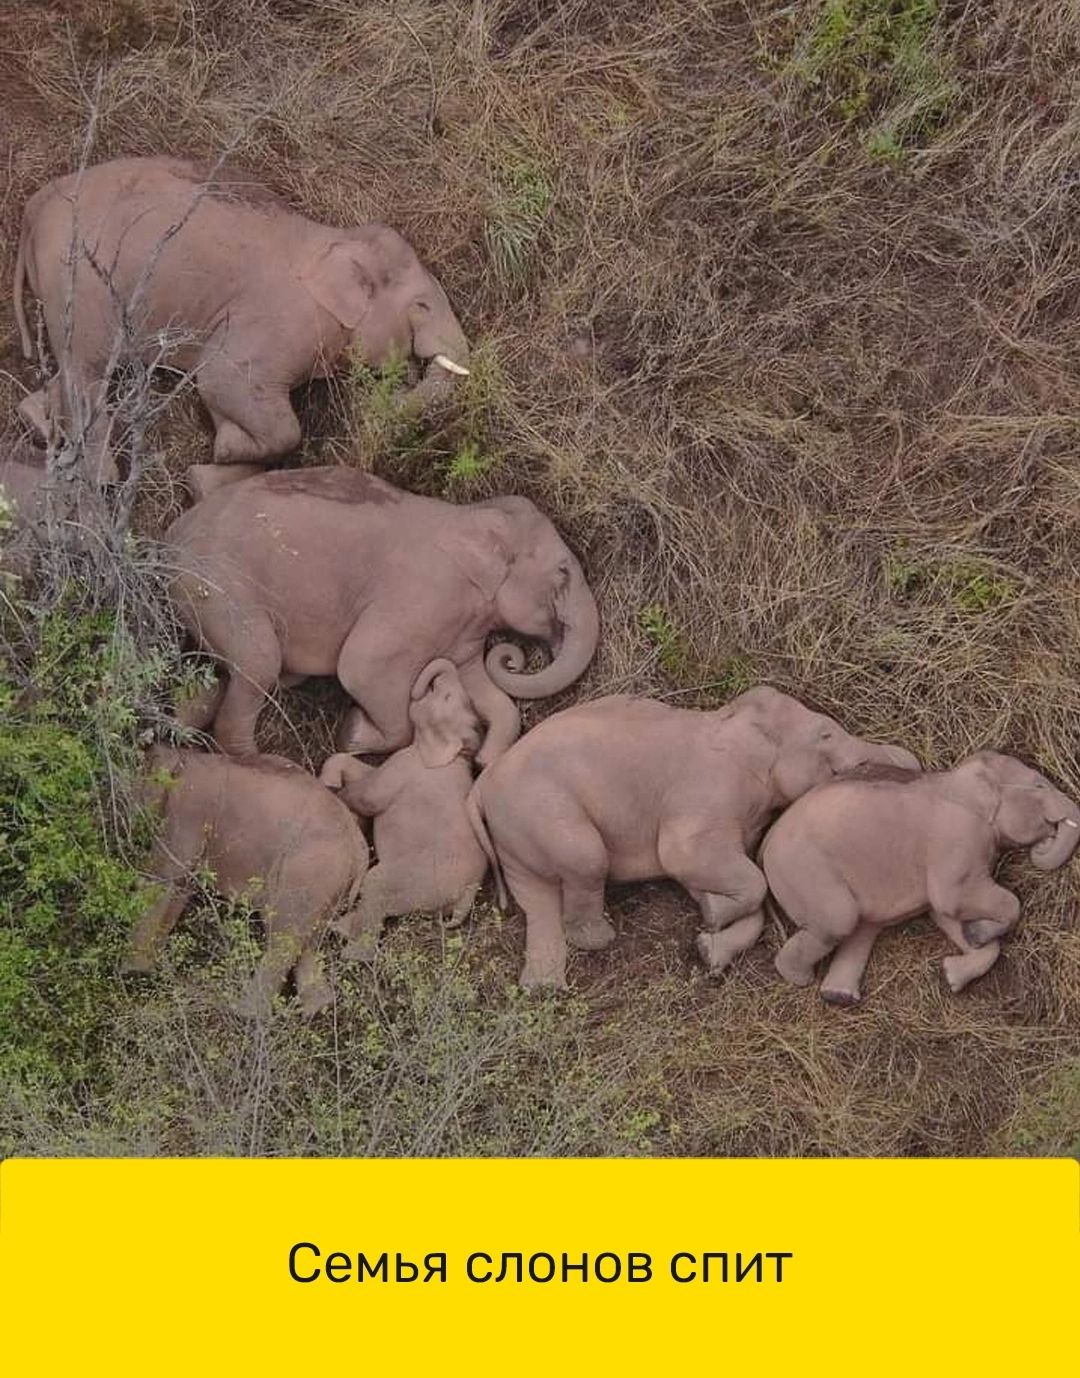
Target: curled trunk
{"x": 1054, "y": 851}
{"x": 577, "y": 645}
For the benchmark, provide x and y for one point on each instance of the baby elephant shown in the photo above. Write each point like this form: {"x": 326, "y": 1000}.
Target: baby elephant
{"x": 264, "y": 828}
{"x": 429, "y": 859}
{"x": 855, "y": 855}
{"x": 627, "y": 789}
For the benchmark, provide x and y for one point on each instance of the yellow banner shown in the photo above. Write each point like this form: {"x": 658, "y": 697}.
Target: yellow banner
{"x": 538, "y": 1267}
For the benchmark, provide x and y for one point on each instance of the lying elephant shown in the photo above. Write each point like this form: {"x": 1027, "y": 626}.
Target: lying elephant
{"x": 207, "y": 271}
{"x": 855, "y": 856}
{"x": 25, "y": 485}
{"x": 628, "y": 789}
{"x": 270, "y": 833}
{"x": 429, "y": 860}
{"x": 332, "y": 571}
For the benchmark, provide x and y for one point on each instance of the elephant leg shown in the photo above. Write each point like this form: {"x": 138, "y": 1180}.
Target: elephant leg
{"x": 198, "y": 711}
{"x": 250, "y": 685}
{"x": 253, "y": 421}
{"x": 370, "y": 672}
{"x": 583, "y": 915}
{"x": 283, "y": 952}
{"x": 987, "y": 912}
{"x": 153, "y": 928}
{"x": 363, "y": 925}
{"x": 545, "y": 939}
{"x": 973, "y": 961}
{"x": 463, "y": 906}
{"x": 313, "y": 990}
{"x": 718, "y": 949}
{"x": 806, "y": 947}
{"x": 841, "y": 985}
{"x": 33, "y": 410}
{"x": 719, "y": 875}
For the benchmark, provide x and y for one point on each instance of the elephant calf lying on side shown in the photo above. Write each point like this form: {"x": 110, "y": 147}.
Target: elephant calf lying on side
{"x": 268, "y": 831}
{"x": 429, "y": 859}
{"x": 628, "y": 789}
{"x": 854, "y": 856}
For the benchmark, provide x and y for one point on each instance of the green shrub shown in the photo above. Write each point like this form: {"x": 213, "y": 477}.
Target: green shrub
{"x": 67, "y": 896}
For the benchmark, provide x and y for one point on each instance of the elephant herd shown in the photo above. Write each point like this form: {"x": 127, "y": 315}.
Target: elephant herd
{"x": 285, "y": 574}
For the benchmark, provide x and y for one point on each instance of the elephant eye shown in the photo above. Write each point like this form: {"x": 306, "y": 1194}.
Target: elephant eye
{"x": 422, "y": 305}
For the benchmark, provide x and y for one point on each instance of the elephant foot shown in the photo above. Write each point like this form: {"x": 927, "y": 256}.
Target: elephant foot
{"x": 357, "y": 735}
{"x": 362, "y": 948}
{"x": 315, "y": 998}
{"x": 979, "y": 932}
{"x": 590, "y": 935}
{"x": 535, "y": 977}
{"x": 793, "y": 970}
{"x": 715, "y": 952}
{"x": 137, "y": 964}
{"x": 841, "y": 995}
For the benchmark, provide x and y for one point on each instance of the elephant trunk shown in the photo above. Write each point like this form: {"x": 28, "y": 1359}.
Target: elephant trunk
{"x": 580, "y": 633}
{"x": 439, "y": 340}
{"x": 1056, "y": 849}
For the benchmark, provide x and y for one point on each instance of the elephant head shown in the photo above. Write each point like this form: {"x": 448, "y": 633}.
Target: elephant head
{"x": 810, "y": 748}
{"x": 445, "y": 723}
{"x": 536, "y": 588}
{"x": 373, "y": 284}
{"x": 1025, "y": 809}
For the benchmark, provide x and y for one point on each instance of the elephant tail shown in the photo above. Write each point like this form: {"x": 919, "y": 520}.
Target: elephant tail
{"x": 361, "y": 862}
{"x": 476, "y": 819}
{"x": 17, "y": 297}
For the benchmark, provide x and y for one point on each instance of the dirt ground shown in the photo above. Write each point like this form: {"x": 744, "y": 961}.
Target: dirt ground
{"x": 775, "y": 314}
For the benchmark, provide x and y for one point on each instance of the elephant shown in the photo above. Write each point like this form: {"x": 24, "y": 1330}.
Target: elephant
{"x": 25, "y": 489}
{"x": 857, "y": 855}
{"x": 206, "y": 271}
{"x": 322, "y": 571}
{"x": 628, "y": 788}
{"x": 269, "y": 832}
{"x": 428, "y": 858}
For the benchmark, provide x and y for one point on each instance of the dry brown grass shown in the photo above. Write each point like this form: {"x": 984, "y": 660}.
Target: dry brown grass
{"x": 814, "y": 401}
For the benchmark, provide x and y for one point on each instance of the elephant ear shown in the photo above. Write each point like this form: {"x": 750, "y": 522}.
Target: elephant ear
{"x": 481, "y": 551}
{"x": 338, "y": 280}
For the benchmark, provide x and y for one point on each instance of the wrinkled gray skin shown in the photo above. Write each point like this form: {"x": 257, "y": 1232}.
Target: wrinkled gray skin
{"x": 210, "y": 272}
{"x": 332, "y": 571}
{"x": 270, "y": 833}
{"x": 627, "y": 789}
{"x": 855, "y": 856}
{"x": 429, "y": 861}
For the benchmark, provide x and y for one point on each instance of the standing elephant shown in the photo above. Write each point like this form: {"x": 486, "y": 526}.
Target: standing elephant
{"x": 332, "y": 571}
{"x": 267, "y": 831}
{"x": 628, "y": 789}
{"x": 855, "y": 856}
{"x": 207, "y": 271}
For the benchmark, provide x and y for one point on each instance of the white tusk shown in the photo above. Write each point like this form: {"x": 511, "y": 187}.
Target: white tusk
{"x": 449, "y": 365}
{"x": 1070, "y": 823}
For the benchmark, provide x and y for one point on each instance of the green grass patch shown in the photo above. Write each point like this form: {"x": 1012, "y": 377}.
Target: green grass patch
{"x": 967, "y": 584}
{"x": 520, "y": 202}
{"x": 881, "y": 66}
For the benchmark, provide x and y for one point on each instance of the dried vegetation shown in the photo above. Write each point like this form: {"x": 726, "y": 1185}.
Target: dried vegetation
{"x": 775, "y": 314}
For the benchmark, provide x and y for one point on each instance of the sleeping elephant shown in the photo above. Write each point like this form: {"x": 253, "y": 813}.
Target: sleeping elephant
{"x": 628, "y": 789}
{"x": 330, "y": 571}
{"x": 266, "y": 831}
{"x": 205, "y": 271}
{"x": 855, "y": 856}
